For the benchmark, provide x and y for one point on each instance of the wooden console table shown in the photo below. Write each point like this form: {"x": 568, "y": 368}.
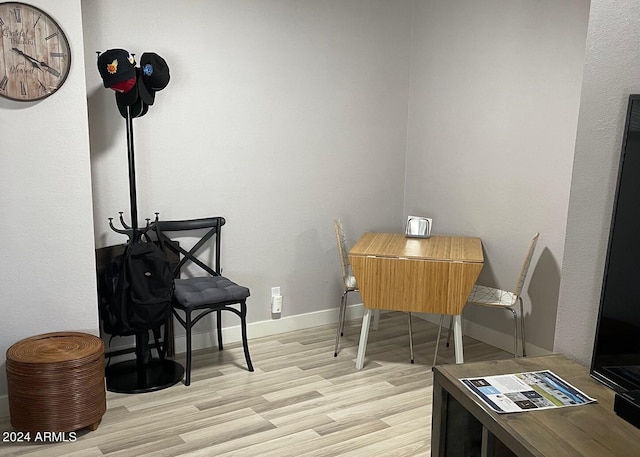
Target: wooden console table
{"x": 464, "y": 426}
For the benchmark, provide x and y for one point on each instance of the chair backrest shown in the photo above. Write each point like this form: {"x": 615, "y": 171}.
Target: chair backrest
{"x": 168, "y": 231}
{"x": 525, "y": 265}
{"x": 342, "y": 248}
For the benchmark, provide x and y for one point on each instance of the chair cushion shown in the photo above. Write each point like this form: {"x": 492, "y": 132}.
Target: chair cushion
{"x": 483, "y": 295}
{"x": 208, "y": 290}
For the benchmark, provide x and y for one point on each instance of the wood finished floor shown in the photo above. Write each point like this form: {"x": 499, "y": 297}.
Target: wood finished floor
{"x": 300, "y": 401}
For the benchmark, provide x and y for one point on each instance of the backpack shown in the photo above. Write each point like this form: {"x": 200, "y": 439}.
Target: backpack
{"x": 141, "y": 290}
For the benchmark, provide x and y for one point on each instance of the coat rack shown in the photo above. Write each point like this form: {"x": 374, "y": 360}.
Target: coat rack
{"x": 141, "y": 374}
{"x": 136, "y": 86}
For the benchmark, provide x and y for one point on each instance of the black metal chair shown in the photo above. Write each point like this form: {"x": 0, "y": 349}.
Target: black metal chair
{"x": 204, "y": 290}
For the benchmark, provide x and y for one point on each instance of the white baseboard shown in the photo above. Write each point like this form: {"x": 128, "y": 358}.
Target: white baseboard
{"x": 329, "y": 316}
{"x": 268, "y": 327}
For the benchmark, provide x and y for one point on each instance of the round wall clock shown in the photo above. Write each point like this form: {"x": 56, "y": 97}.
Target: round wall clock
{"x": 35, "y": 57}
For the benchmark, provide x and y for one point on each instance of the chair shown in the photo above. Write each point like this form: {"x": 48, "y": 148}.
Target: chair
{"x": 204, "y": 291}
{"x": 350, "y": 285}
{"x": 503, "y": 299}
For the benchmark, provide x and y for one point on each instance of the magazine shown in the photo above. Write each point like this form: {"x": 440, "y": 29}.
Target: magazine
{"x": 536, "y": 390}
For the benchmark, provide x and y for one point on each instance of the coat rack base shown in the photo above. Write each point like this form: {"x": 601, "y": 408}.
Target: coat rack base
{"x": 132, "y": 377}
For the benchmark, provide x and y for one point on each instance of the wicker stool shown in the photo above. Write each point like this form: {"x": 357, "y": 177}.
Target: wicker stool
{"x": 56, "y": 382}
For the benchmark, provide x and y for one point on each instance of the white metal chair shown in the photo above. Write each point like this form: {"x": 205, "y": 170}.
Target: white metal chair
{"x": 350, "y": 285}
{"x": 504, "y": 299}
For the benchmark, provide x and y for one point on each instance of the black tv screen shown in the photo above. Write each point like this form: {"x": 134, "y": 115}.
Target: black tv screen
{"x": 616, "y": 353}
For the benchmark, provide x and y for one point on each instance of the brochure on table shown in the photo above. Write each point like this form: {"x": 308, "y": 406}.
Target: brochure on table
{"x": 532, "y": 391}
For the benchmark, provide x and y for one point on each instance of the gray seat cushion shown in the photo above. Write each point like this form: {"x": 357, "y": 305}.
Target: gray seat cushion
{"x": 208, "y": 290}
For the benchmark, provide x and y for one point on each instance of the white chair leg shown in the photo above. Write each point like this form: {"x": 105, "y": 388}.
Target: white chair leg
{"x": 435, "y": 354}
{"x": 515, "y": 331}
{"x": 344, "y": 311}
{"x": 524, "y": 350}
{"x": 410, "y": 338}
{"x": 341, "y": 315}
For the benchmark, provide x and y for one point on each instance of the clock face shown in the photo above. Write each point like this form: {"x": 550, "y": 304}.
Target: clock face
{"x": 34, "y": 53}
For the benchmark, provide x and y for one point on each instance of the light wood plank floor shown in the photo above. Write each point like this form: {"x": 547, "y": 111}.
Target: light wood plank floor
{"x": 300, "y": 401}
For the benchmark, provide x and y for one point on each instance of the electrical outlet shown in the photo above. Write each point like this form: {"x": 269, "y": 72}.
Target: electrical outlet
{"x": 276, "y": 300}
{"x": 276, "y": 304}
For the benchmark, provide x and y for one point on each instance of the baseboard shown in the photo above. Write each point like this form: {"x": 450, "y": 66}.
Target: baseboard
{"x": 254, "y": 330}
{"x": 486, "y": 335}
{"x": 269, "y": 327}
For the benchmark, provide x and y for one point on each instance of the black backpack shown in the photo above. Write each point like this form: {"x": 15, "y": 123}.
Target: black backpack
{"x": 141, "y": 290}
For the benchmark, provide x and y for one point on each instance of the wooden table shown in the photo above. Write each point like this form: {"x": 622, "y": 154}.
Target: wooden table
{"x": 462, "y": 425}
{"x": 429, "y": 275}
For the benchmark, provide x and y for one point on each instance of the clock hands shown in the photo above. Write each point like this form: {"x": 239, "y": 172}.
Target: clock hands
{"x": 36, "y": 63}
{"x": 30, "y": 59}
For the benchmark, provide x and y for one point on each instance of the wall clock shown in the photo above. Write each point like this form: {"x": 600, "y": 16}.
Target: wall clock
{"x": 35, "y": 57}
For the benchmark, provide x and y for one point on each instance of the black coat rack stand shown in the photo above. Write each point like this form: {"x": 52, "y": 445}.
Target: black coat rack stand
{"x": 144, "y": 373}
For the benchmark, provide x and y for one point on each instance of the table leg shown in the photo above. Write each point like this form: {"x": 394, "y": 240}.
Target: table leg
{"x": 376, "y": 319}
{"x": 364, "y": 335}
{"x": 457, "y": 338}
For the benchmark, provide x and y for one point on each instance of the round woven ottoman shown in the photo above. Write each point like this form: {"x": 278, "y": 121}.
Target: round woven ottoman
{"x": 56, "y": 382}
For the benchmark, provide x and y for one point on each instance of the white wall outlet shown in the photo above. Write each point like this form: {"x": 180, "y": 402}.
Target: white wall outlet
{"x": 276, "y": 300}
{"x": 276, "y": 304}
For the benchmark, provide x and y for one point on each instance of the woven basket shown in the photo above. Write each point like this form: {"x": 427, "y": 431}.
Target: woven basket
{"x": 56, "y": 382}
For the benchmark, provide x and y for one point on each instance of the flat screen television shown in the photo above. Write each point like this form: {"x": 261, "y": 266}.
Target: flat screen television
{"x": 616, "y": 351}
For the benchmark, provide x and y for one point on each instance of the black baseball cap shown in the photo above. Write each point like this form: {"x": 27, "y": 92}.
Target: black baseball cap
{"x": 116, "y": 65}
{"x": 154, "y": 76}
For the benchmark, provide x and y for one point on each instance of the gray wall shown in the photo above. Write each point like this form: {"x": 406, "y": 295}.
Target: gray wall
{"x": 612, "y": 66}
{"x": 495, "y": 90}
{"x": 279, "y": 116}
{"x": 47, "y": 266}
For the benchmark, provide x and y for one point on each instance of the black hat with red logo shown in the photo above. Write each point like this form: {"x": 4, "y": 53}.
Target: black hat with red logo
{"x": 116, "y": 66}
